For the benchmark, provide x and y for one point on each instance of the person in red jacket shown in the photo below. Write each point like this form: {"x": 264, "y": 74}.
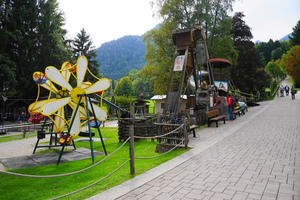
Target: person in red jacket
{"x": 230, "y": 107}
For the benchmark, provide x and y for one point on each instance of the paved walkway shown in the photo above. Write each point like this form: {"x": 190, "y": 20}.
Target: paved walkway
{"x": 255, "y": 157}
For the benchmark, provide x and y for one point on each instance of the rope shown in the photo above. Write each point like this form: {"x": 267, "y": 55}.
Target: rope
{"x": 94, "y": 182}
{"x": 159, "y": 136}
{"x": 164, "y": 152}
{"x": 72, "y": 173}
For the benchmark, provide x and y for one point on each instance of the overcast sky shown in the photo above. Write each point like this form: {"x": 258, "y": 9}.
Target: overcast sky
{"x": 109, "y": 20}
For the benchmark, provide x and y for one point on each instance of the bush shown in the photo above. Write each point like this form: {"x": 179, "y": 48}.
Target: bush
{"x": 124, "y": 101}
{"x": 273, "y": 86}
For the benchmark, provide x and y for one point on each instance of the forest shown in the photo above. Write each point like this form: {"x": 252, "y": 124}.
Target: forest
{"x": 32, "y": 37}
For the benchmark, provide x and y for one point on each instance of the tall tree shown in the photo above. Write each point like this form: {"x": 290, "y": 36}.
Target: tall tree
{"x": 83, "y": 46}
{"x": 248, "y": 74}
{"x": 291, "y": 62}
{"x": 31, "y": 39}
{"x": 159, "y": 52}
{"x": 124, "y": 87}
{"x": 179, "y": 14}
{"x": 295, "y": 38}
{"x": 274, "y": 69}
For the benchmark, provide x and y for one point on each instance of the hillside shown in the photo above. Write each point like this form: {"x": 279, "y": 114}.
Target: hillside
{"x": 118, "y": 57}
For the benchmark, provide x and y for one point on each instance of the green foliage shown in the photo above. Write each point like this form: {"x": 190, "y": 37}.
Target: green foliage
{"x": 118, "y": 57}
{"x": 82, "y": 45}
{"x": 124, "y": 87}
{"x": 277, "y": 53}
{"x": 295, "y": 38}
{"x": 248, "y": 74}
{"x": 160, "y": 47}
{"x": 274, "y": 70}
{"x": 31, "y": 38}
{"x": 291, "y": 61}
{"x": 124, "y": 100}
{"x": 178, "y": 14}
{"x": 273, "y": 86}
{"x": 271, "y": 50}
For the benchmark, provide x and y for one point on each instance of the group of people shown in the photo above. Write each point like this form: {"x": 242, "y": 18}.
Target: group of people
{"x": 232, "y": 104}
{"x": 286, "y": 89}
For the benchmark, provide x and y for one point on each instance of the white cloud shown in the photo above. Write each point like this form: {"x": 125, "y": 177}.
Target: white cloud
{"x": 269, "y": 19}
{"x": 108, "y": 20}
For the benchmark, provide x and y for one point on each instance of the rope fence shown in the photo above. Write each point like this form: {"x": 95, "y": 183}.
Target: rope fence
{"x": 130, "y": 160}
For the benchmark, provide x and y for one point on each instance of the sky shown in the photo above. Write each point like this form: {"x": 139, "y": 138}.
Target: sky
{"x": 107, "y": 20}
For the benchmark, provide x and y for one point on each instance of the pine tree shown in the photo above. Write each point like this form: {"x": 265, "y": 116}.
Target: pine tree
{"x": 83, "y": 46}
{"x": 295, "y": 38}
{"x": 31, "y": 39}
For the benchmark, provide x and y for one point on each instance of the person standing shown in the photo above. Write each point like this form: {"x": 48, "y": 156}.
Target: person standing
{"x": 230, "y": 107}
{"x": 287, "y": 90}
{"x": 293, "y": 92}
{"x": 281, "y": 91}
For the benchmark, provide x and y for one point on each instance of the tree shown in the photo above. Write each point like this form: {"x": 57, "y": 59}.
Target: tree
{"x": 159, "y": 51}
{"x": 178, "y": 14}
{"x": 271, "y": 50}
{"x": 277, "y": 53}
{"x": 124, "y": 87}
{"x": 274, "y": 69}
{"x": 291, "y": 61}
{"x": 31, "y": 39}
{"x": 82, "y": 46}
{"x": 295, "y": 38}
{"x": 248, "y": 73}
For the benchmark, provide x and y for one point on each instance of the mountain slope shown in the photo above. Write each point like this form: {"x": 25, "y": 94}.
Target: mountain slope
{"x": 118, "y": 57}
{"x": 286, "y": 37}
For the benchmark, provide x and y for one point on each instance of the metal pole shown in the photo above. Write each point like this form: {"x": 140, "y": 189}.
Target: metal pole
{"x": 89, "y": 126}
{"x": 3, "y": 111}
{"x": 68, "y": 133}
{"x": 98, "y": 126}
{"x": 4, "y": 97}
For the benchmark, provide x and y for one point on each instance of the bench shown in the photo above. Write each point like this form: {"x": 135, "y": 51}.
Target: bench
{"x": 192, "y": 129}
{"x": 214, "y": 116}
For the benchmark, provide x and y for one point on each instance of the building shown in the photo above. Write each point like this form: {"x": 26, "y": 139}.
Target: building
{"x": 160, "y": 102}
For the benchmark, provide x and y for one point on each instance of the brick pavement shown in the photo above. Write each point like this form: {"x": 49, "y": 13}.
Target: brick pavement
{"x": 255, "y": 157}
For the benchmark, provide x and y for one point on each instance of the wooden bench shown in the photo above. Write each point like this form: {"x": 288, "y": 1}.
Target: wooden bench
{"x": 214, "y": 116}
{"x": 192, "y": 129}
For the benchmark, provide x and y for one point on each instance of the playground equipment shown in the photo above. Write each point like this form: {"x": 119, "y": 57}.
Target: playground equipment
{"x": 63, "y": 97}
{"x": 204, "y": 81}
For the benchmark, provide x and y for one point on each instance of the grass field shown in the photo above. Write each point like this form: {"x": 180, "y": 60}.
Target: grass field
{"x": 17, "y": 187}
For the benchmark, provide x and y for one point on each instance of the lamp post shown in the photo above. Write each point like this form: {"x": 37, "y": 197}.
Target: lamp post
{"x": 4, "y": 97}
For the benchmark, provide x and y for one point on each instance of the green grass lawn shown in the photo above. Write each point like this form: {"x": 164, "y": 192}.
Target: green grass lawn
{"x": 16, "y": 187}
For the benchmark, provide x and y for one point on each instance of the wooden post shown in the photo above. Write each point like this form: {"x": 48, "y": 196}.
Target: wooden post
{"x": 131, "y": 148}
{"x": 186, "y": 137}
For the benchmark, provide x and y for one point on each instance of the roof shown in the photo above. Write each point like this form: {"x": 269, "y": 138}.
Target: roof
{"x": 162, "y": 97}
{"x": 219, "y": 63}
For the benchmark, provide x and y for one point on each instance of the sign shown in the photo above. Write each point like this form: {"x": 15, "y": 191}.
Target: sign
{"x": 267, "y": 90}
{"x": 179, "y": 62}
{"x": 222, "y": 85}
